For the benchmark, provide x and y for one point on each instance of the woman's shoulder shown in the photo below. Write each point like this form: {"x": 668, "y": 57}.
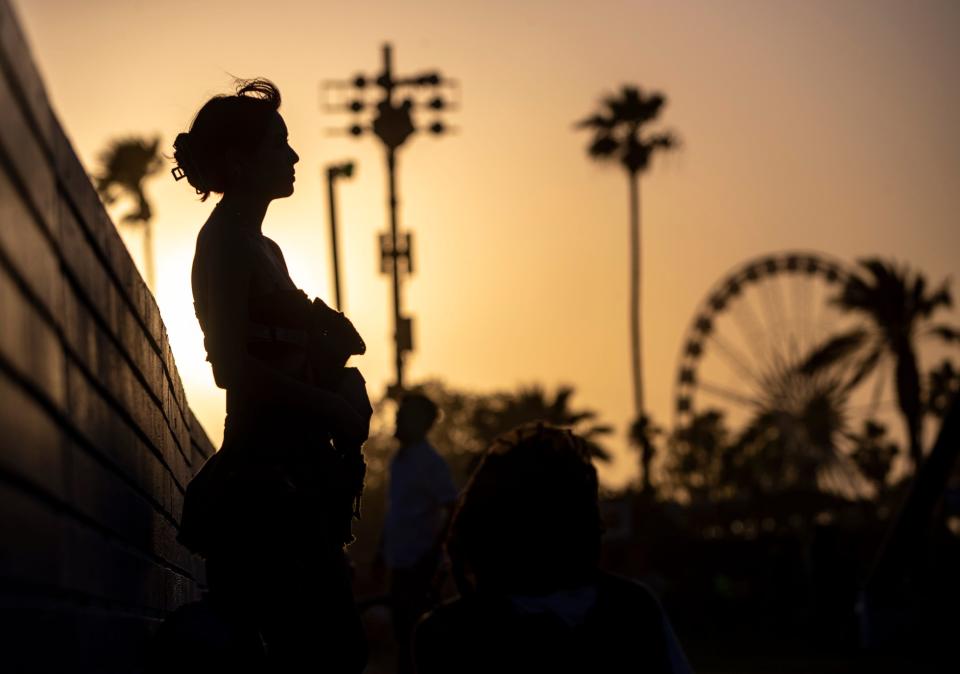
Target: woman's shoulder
{"x": 218, "y": 240}
{"x": 619, "y": 593}
{"x": 613, "y": 583}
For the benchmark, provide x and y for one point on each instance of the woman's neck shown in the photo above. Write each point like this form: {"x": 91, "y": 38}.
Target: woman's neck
{"x": 248, "y": 212}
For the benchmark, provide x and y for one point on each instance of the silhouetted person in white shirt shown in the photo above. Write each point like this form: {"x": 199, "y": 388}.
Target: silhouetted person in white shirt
{"x": 421, "y": 495}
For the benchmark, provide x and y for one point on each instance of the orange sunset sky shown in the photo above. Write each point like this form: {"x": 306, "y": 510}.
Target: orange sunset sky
{"x": 830, "y": 126}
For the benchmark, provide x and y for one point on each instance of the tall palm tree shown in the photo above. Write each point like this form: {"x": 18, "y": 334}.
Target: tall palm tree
{"x": 641, "y": 436}
{"x": 125, "y": 165}
{"x": 898, "y": 310}
{"x": 619, "y": 135}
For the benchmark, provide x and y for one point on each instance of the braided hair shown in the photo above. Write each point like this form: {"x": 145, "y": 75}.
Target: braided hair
{"x": 529, "y": 519}
{"x": 226, "y": 127}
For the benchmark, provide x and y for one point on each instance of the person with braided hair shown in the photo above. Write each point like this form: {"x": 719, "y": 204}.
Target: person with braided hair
{"x": 271, "y": 510}
{"x": 524, "y": 547}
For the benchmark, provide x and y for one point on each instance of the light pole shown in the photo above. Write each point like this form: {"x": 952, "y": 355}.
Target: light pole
{"x": 334, "y": 171}
{"x": 393, "y": 124}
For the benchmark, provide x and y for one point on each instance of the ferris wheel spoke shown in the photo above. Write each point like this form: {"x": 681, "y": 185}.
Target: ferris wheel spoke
{"x": 872, "y": 407}
{"x": 774, "y": 324}
{"x": 756, "y": 329}
{"x": 728, "y": 394}
{"x": 813, "y": 331}
{"x": 801, "y": 302}
{"x": 780, "y": 301}
{"x": 795, "y": 325}
{"x": 750, "y": 326}
{"x": 784, "y": 317}
{"x": 735, "y": 359}
{"x": 876, "y": 404}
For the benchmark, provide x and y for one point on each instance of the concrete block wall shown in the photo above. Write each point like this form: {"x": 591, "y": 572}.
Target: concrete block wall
{"x": 97, "y": 442}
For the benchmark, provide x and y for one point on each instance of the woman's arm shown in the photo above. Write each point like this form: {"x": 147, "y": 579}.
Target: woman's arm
{"x": 228, "y": 273}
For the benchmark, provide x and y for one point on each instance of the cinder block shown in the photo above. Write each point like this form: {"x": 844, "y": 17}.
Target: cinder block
{"x": 76, "y": 190}
{"x": 29, "y": 343}
{"x": 103, "y": 496}
{"x": 113, "y": 438}
{"x": 86, "y": 277}
{"x": 29, "y": 157}
{"x": 79, "y": 331}
{"x": 200, "y": 439}
{"x": 102, "y": 568}
{"x": 25, "y": 245}
{"x": 32, "y": 532}
{"x": 15, "y": 53}
{"x": 33, "y": 443}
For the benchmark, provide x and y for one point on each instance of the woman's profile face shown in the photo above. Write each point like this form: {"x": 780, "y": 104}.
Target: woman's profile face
{"x": 270, "y": 171}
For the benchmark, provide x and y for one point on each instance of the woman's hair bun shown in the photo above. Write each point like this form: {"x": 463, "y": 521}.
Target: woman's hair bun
{"x": 186, "y": 164}
{"x": 225, "y": 127}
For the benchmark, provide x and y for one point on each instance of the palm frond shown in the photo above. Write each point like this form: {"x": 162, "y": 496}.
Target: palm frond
{"x": 917, "y": 291}
{"x": 597, "y": 451}
{"x": 666, "y": 140}
{"x": 600, "y": 429}
{"x": 833, "y": 350}
{"x": 603, "y": 146}
{"x": 866, "y": 365}
{"x": 947, "y": 333}
{"x": 595, "y": 122}
{"x": 940, "y": 298}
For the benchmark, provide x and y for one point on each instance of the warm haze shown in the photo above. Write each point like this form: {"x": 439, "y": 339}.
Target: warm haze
{"x": 816, "y": 125}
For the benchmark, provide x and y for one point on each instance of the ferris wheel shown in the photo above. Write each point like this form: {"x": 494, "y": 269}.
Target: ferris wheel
{"x": 743, "y": 353}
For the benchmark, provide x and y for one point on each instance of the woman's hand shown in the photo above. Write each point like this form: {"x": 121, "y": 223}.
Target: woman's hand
{"x": 353, "y": 389}
{"x": 346, "y": 425}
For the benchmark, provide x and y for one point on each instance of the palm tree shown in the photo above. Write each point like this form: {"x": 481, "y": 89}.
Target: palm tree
{"x": 696, "y": 462}
{"x": 502, "y": 412}
{"x": 874, "y": 454}
{"x": 943, "y": 385}
{"x": 619, "y": 135}
{"x": 126, "y": 164}
{"x": 898, "y": 310}
{"x": 641, "y": 436}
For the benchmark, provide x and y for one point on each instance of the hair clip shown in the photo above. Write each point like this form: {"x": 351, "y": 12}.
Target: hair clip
{"x": 178, "y": 173}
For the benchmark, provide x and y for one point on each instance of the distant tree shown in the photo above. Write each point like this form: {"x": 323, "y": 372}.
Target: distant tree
{"x": 796, "y": 450}
{"x": 696, "y": 462}
{"x": 642, "y": 435}
{"x": 874, "y": 454}
{"x": 619, "y": 135}
{"x": 501, "y": 412}
{"x": 943, "y": 385}
{"x": 469, "y": 422}
{"x": 125, "y": 166}
{"x": 898, "y": 310}
{"x": 792, "y": 445}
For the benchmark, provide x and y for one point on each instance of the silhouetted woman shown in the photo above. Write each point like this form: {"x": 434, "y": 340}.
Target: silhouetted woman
{"x": 271, "y": 510}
